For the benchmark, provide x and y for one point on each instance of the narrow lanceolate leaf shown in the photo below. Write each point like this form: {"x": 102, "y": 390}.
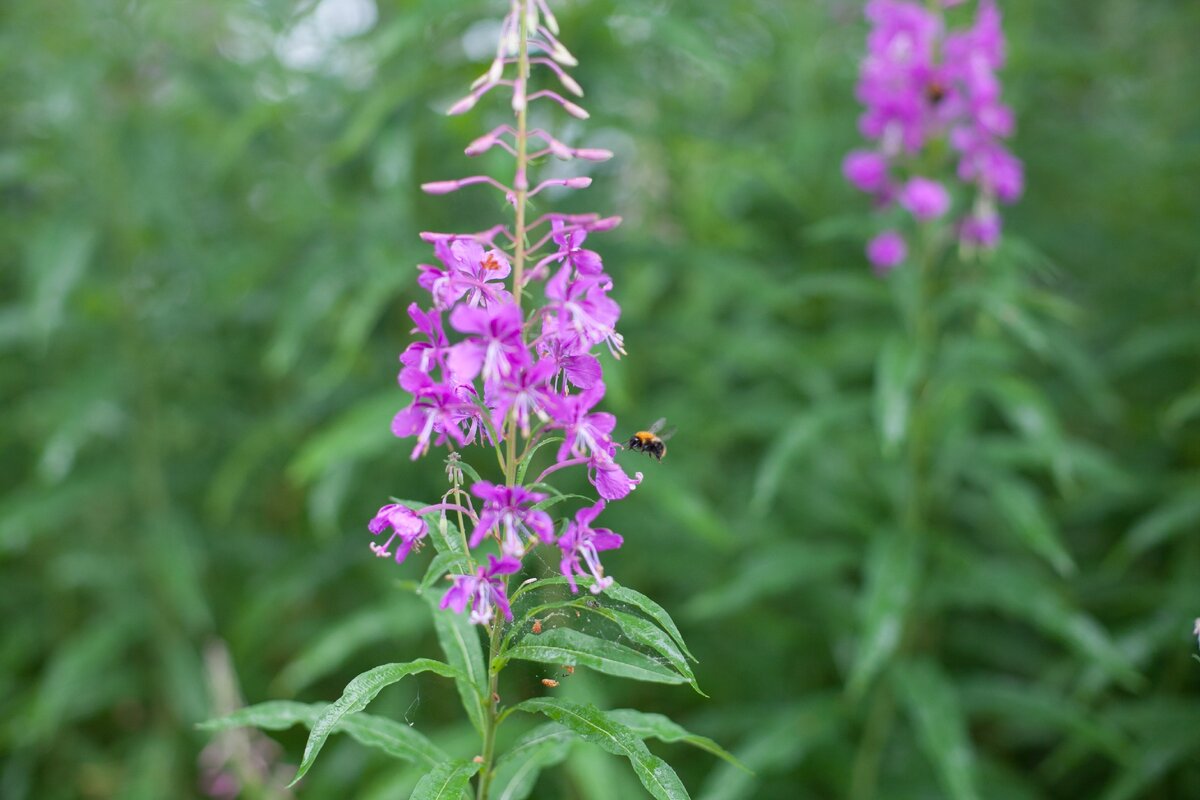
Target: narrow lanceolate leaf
{"x": 593, "y": 725}
{"x": 518, "y": 769}
{"x": 657, "y": 726}
{"x": 358, "y": 693}
{"x": 523, "y": 467}
{"x": 892, "y": 568}
{"x": 620, "y": 594}
{"x": 653, "y": 610}
{"x": 895, "y": 374}
{"x": 1019, "y": 506}
{"x": 572, "y": 648}
{"x": 394, "y": 738}
{"x": 442, "y": 564}
{"x": 459, "y": 640}
{"x": 933, "y": 706}
{"x": 647, "y": 634}
{"x": 446, "y": 781}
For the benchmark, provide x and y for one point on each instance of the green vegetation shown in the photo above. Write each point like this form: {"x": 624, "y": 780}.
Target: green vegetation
{"x": 951, "y": 554}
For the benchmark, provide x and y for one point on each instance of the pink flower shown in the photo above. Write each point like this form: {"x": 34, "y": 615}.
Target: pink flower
{"x": 406, "y": 526}
{"x": 582, "y": 541}
{"x": 482, "y": 592}
{"x": 886, "y": 251}
{"x": 924, "y": 199}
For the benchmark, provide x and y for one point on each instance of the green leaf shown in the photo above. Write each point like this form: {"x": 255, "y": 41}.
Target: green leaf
{"x": 1023, "y": 704}
{"x": 459, "y": 640}
{"x": 649, "y": 635}
{"x": 394, "y": 738}
{"x": 524, "y": 465}
{"x": 353, "y": 435}
{"x": 596, "y": 727}
{"x": 329, "y": 649}
{"x": 614, "y": 592}
{"x": 1178, "y": 516}
{"x": 931, "y": 702}
{"x": 895, "y": 376}
{"x": 803, "y": 435}
{"x": 772, "y": 569}
{"x": 517, "y": 771}
{"x": 446, "y": 781}
{"x": 358, "y": 693}
{"x": 652, "y": 609}
{"x": 441, "y": 564}
{"x": 572, "y": 648}
{"x": 558, "y": 498}
{"x": 1020, "y": 507}
{"x": 1021, "y": 592}
{"x": 657, "y": 726}
{"x": 891, "y": 575}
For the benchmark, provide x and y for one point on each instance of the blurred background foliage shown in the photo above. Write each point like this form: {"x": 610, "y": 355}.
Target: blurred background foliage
{"x": 209, "y": 237}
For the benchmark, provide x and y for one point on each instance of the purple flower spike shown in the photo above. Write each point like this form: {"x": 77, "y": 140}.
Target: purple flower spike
{"x": 510, "y": 508}
{"x": 505, "y": 350}
{"x": 482, "y": 592}
{"x": 581, "y": 541}
{"x": 406, "y": 526}
{"x": 919, "y": 84}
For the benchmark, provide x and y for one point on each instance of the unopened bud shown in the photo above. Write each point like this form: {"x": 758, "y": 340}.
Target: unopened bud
{"x": 570, "y": 84}
{"x": 558, "y": 149}
{"x": 574, "y": 110}
{"x": 440, "y": 187}
{"x": 496, "y": 71}
{"x": 606, "y": 224}
{"x": 548, "y": 16}
{"x": 593, "y": 154}
{"x": 464, "y": 105}
{"x": 563, "y": 56}
{"x": 481, "y": 145}
{"x": 518, "y": 101}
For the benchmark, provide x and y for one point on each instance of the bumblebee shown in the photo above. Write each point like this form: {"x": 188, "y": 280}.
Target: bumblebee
{"x": 649, "y": 442}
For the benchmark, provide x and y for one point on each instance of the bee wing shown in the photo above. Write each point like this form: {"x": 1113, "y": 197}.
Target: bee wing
{"x": 658, "y": 424}
{"x": 668, "y": 433}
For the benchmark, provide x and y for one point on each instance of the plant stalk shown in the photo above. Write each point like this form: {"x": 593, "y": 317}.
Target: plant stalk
{"x": 520, "y": 200}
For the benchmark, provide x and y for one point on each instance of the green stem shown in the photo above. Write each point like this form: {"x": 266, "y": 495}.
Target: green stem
{"x": 922, "y": 325}
{"x": 521, "y": 192}
{"x": 865, "y": 776}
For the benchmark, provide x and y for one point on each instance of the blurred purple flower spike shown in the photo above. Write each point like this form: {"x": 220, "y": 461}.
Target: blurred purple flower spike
{"x": 919, "y": 83}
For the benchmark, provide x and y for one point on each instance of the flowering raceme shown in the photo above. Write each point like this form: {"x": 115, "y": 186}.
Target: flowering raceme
{"x": 504, "y": 362}
{"x": 921, "y": 85}
{"x": 505, "y": 354}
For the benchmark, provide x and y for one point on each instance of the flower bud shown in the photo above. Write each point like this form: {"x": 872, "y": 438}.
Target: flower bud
{"x": 593, "y": 154}
{"x": 464, "y": 105}
{"x": 574, "y": 110}
{"x": 570, "y": 84}
{"x": 440, "y": 187}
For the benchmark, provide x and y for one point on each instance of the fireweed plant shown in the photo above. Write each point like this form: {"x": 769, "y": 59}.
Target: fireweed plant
{"x": 969, "y": 443}
{"x": 932, "y": 107}
{"x": 505, "y": 363}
